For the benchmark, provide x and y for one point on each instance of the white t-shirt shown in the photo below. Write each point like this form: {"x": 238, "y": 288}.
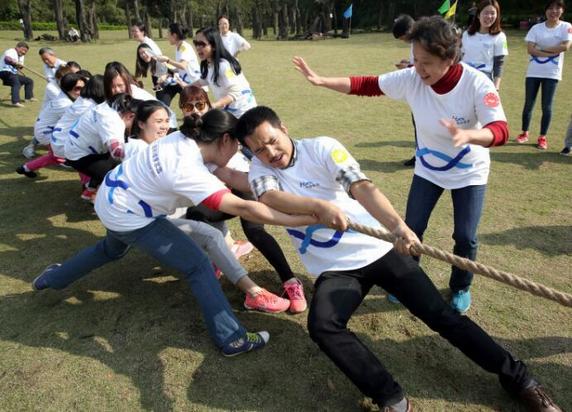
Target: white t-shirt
{"x": 151, "y": 43}
{"x": 12, "y": 54}
{"x": 93, "y": 132}
{"x": 60, "y": 133}
{"x": 167, "y": 174}
{"x": 231, "y": 84}
{"x": 49, "y": 116}
{"x": 133, "y": 146}
{"x": 473, "y": 103}
{"x": 50, "y": 72}
{"x": 318, "y": 168}
{"x": 193, "y": 71}
{"x": 479, "y": 50}
{"x": 234, "y": 43}
{"x": 544, "y": 37}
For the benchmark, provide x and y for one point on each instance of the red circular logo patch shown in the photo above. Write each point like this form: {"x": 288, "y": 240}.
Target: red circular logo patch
{"x": 491, "y": 99}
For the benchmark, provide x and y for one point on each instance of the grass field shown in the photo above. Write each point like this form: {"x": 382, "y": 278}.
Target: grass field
{"x": 130, "y": 337}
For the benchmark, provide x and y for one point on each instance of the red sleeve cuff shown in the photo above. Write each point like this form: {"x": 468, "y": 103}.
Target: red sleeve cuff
{"x": 213, "y": 201}
{"x": 500, "y": 132}
{"x": 365, "y": 86}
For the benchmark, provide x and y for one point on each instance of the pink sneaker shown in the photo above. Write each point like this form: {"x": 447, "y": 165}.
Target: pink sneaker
{"x": 295, "y": 291}
{"x": 542, "y": 144}
{"x": 241, "y": 248}
{"x": 89, "y": 195}
{"x": 266, "y": 301}
{"x": 522, "y": 138}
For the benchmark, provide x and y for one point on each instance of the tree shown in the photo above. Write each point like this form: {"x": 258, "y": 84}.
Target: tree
{"x": 25, "y": 7}
{"x": 59, "y": 17}
{"x": 82, "y": 20}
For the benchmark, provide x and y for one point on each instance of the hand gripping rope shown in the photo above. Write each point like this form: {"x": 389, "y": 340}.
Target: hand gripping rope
{"x": 475, "y": 267}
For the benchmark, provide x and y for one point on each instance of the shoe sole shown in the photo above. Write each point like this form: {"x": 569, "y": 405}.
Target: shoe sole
{"x": 295, "y": 312}
{"x": 463, "y": 312}
{"x": 264, "y": 310}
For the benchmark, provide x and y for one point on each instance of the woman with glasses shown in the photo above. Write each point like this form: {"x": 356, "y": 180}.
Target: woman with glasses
{"x": 484, "y": 45}
{"x": 222, "y": 73}
{"x": 70, "y": 85}
{"x": 195, "y": 102}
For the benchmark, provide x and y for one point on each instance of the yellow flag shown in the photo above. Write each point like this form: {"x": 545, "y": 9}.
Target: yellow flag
{"x": 451, "y": 12}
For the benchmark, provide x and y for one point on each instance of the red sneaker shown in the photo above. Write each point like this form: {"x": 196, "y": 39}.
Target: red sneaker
{"x": 522, "y": 138}
{"x": 542, "y": 144}
{"x": 266, "y": 301}
{"x": 89, "y": 195}
{"x": 295, "y": 291}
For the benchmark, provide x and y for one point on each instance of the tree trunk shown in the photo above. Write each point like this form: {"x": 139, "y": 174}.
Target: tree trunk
{"x": 128, "y": 18}
{"x": 189, "y": 18}
{"x": 59, "y": 17}
{"x": 335, "y": 22}
{"x": 299, "y": 22}
{"x": 291, "y": 20}
{"x": 25, "y": 7}
{"x": 380, "y": 15}
{"x": 148, "y": 26}
{"x": 94, "y": 30}
{"x": 173, "y": 11}
{"x": 160, "y": 20}
{"x": 283, "y": 23}
{"x": 275, "y": 13}
{"x": 137, "y": 11}
{"x": 238, "y": 27}
{"x": 81, "y": 17}
{"x": 256, "y": 22}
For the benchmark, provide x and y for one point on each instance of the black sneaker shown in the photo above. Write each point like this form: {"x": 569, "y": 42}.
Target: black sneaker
{"x": 251, "y": 341}
{"x": 410, "y": 162}
{"x": 566, "y": 152}
{"x": 21, "y": 171}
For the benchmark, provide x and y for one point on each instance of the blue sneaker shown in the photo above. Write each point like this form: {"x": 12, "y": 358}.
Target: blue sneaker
{"x": 251, "y": 341}
{"x": 392, "y": 299}
{"x": 461, "y": 300}
{"x": 41, "y": 283}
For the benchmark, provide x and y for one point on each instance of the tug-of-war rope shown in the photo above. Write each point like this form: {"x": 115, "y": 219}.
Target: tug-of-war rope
{"x": 475, "y": 267}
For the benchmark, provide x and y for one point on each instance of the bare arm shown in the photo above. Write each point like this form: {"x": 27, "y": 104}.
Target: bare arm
{"x": 533, "y": 51}
{"x": 260, "y": 213}
{"x": 562, "y": 47}
{"x": 339, "y": 84}
{"x": 233, "y": 178}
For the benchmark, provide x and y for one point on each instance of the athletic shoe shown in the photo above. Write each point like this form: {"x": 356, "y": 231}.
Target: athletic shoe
{"x": 249, "y": 342}
{"x": 410, "y": 162}
{"x": 536, "y": 399}
{"x": 295, "y": 291}
{"x": 392, "y": 299}
{"x": 566, "y": 152}
{"x": 390, "y": 409}
{"x": 217, "y": 272}
{"x": 28, "y": 173}
{"x": 29, "y": 151}
{"x": 88, "y": 195}
{"x": 522, "y": 138}
{"x": 33, "y": 99}
{"x": 265, "y": 301}
{"x": 542, "y": 144}
{"x": 41, "y": 283}
{"x": 461, "y": 300}
{"x": 241, "y": 248}
{"x": 19, "y": 105}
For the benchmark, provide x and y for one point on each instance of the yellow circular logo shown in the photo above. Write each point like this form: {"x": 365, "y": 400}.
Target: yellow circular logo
{"x": 339, "y": 155}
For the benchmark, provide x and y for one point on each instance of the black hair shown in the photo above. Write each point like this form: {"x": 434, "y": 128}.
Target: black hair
{"x": 253, "y": 118}
{"x": 85, "y": 74}
{"x": 68, "y": 82}
{"x": 140, "y": 25}
{"x": 123, "y": 103}
{"x": 223, "y": 16}
{"x": 94, "y": 89}
{"x": 141, "y": 66}
{"x": 437, "y": 36}
{"x": 112, "y": 70}
{"x": 476, "y": 23}
{"x": 179, "y": 30}
{"x": 557, "y": 3}
{"x": 45, "y": 50}
{"x": 219, "y": 52}
{"x": 22, "y": 44}
{"x": 210, "y": 127}
{"x": 144, "y": 110}
{"x": 73, "y": 65}
{"x": 402, "y": 25}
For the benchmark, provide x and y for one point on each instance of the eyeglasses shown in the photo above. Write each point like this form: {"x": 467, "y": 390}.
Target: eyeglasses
{"x": 199, "y": 43}
{"x": 188, "y": 107}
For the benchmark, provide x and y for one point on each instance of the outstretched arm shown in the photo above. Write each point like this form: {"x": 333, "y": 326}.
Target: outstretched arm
{"x": 339, "y": 84}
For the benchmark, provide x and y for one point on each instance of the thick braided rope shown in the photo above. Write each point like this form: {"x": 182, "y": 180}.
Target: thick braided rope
{"x": 475, "y": 267}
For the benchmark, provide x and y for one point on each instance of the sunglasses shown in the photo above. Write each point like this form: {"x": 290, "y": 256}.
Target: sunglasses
{"x": 199, "y": 43}
{"x": 188, "y": 107}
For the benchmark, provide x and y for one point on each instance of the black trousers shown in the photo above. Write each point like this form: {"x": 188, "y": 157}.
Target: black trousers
{"x": 15, "y": 81}
{"x": 95, "y": 166}
{"x": 339, "y": 293}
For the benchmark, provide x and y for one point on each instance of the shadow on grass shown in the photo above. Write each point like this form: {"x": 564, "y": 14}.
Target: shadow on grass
{"x": 384, "y": 167}
{"x": 550, "y": 240}
{"x": 393, "y": 143}
{"x": 532, "y": 160}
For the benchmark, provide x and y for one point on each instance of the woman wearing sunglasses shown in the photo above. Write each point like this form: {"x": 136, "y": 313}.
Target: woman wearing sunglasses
{"x": 70, "y": 85}
{"x": 222, "y": 73}
{"x": 195, "y": 102}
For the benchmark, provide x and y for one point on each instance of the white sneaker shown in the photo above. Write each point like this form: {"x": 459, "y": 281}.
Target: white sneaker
{"x": 29, "y": 151}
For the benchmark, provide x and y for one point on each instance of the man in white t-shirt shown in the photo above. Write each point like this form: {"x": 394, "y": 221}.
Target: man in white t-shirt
{"x": 319, "y": 177}
{"x": 51, "y": 62}
{"x": 10, "y": 63}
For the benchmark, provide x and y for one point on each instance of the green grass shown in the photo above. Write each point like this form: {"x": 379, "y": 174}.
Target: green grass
{"x": 130, "y": 337}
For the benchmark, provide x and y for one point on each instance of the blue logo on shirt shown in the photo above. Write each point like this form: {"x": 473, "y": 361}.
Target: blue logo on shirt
{"x": 307, "y": 240}
{"x": 308, "y": 185}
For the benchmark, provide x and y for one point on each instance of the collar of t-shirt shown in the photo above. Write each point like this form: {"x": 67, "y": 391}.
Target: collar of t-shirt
{"x": 446, "y": 83}
{"x": 294, "y": 154}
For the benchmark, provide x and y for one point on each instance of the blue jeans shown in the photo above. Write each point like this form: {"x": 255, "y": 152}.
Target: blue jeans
{"x": 467, "y": 209}
{"x": 532, "y": 85}
{"x": 170, "y": 246}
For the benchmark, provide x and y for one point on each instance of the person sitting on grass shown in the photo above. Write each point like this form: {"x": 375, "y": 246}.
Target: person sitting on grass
{"x": 319, "y": 177}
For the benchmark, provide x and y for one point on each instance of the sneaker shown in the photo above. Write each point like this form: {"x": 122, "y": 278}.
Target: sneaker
{"x": 566, "y": 152}
{"x": 410, "y": 162}
{"x": 409, "y": 408}
{"x": 241, "y": 248}
{"x": 522, "y": 138}
{"x": 295, "y": 291}
{"x": 217, "y": 272}
{"x": 33, "y": 99}
{"x": 29, "y": 151}
{"x": 251, "y": 341}
{"x": 392, "y": 299}
{"x": 536, "y": 399}
{"x": 41, "y": 283}
{"x": 542, "y": 144}
{"x": 20, "y": 105}
{"x": 461, "y": 300}
{"x": 21, "y": 170}
{"x": 266, "y": 301}
{"x": 88, "y": 194}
